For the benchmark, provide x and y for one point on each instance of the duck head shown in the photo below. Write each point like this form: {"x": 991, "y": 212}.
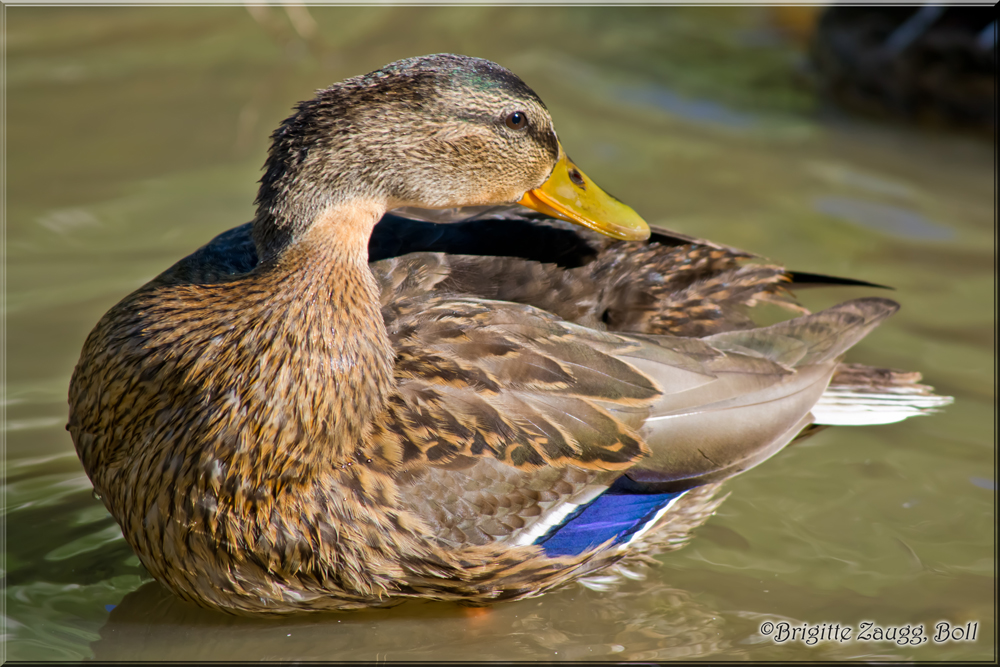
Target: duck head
{"x": 438, "y": 131}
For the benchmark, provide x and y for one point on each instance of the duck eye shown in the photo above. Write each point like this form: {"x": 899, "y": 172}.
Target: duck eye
{"x": 517, "y": 120}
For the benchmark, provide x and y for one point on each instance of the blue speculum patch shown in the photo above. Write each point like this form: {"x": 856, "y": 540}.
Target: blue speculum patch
{"x": 618, "y": 513}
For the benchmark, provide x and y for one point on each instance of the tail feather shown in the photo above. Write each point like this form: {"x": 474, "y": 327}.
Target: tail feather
{"x": 861, "y": 406}
{"x": 862, "y": 395}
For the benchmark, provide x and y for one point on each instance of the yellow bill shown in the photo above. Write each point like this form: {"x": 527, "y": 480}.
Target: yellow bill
{"x": 569, "y": 195}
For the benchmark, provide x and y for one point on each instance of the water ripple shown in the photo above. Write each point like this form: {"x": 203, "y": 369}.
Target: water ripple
{"x": 885, "y": 218}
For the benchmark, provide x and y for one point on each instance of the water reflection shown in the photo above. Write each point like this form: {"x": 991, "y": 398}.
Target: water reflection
{"x": 702, "y": 111}
{"x": 150, "y": 621}
{"x": 642, "y": 621}
{"x": 885, "y": 218}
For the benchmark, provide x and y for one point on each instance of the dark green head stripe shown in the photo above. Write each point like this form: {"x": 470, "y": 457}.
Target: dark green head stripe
{"x": 475, "y": 73}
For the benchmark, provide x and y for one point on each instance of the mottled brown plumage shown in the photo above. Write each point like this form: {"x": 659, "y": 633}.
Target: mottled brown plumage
{"x": 279, "y": 425}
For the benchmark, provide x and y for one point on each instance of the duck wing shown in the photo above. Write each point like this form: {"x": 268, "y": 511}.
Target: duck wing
{"x": 673, "y": 284}
{"x": 477, "y": 377}
{"x": 510, "y": 422}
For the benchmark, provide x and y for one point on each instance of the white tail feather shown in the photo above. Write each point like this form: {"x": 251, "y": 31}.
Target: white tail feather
{"x": 860, "y": 406}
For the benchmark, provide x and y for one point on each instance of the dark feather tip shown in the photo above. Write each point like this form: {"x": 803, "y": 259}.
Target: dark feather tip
{"x": 804, "y": 279}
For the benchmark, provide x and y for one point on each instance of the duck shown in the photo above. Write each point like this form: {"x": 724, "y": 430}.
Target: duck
{"x": 441, "y": 363}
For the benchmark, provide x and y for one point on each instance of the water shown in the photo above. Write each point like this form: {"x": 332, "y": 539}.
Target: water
{"x": 136, "y": 134}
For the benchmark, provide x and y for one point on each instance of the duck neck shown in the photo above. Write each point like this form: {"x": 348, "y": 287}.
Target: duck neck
{"x": 337, "y": 372}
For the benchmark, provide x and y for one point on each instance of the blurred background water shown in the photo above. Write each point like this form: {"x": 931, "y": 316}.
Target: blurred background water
{"x": 135, "y": 134}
